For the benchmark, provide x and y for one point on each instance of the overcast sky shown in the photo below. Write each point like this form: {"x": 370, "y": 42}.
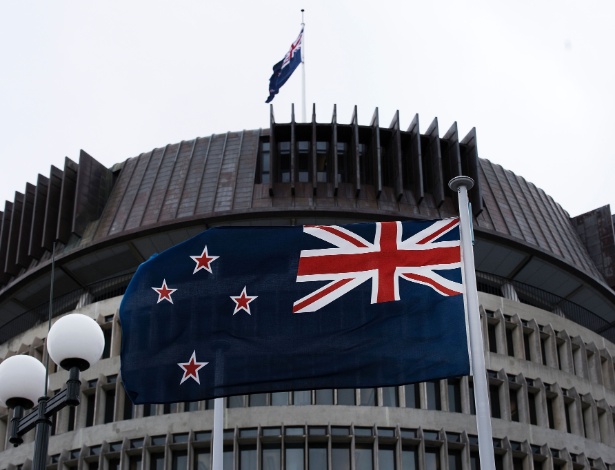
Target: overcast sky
{"x": 118, "y": 78}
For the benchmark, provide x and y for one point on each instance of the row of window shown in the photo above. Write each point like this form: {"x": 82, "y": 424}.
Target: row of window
{"x": 522, "y": 339}
{"x": 513, "y": 398}
{"x": 318, "y": 448}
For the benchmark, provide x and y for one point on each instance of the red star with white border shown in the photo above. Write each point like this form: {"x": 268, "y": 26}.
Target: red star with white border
{"x": 242, "y": 301}
{"x": 191, "y": 369}
{"x": 164, "y": 292}
{"x": 203, "y": 261}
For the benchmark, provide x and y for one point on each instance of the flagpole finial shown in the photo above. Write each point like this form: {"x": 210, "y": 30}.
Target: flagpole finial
{"x": 461, "y": 181}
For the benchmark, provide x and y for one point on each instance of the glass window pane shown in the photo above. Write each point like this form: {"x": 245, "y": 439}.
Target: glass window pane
{"x": 236, "y": 401}
{"x": 109, "y": 405}
{"x": 247, "y": 458}
{"x": 433, "y": 395}
{"x": 258, "y": 399}
{"x": 202, "y": 459}
{"x": 432, "y": 459}
{"x": 363, "y": 458}
{"x": 409, "y": 459}
{"x": 386, "y": 458}
{"x": 324, "y": 397}
{"x": 454, "y": 459}
{"x": 227, "y": 459}
{"x": 279, "y": 399}
{"x": 156, "y": 461}
{"x": 454, "y": 395}
{"x": 134, "y": 462}
{"x": 412, "y": 396}
{"x": 340, "y": 457}
{"x": 302, "y": 397}
{"x": 368, "y": 397}
{"x": 294, "y": 458}
{"x": 389, "y": 396}
{"x": 345, "y": 396}
{"x": 179, "y": 460}
{"x": 271, "y": 457}
{"x": 317, "y": 457}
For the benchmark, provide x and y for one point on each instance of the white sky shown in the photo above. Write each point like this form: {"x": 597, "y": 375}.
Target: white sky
{"x": 118, "y": 78}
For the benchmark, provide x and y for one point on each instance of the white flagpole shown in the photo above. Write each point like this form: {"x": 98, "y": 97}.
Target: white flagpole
{"x": 218, "y": 449}
{"x": 462, "y": 184}
{"x": 303, "y": 68}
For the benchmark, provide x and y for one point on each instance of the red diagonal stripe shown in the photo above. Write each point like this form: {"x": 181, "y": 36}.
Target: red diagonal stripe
{"x": 320, "y": 295}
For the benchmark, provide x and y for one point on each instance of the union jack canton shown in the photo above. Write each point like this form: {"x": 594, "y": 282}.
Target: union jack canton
{"x": 354, "y": 260}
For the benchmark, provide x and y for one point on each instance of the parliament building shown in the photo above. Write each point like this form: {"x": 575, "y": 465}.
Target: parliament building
{"x": 546, "y": 284}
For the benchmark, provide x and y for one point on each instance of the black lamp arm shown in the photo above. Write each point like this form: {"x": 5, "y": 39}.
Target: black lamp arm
{"x": 50, "y": 406}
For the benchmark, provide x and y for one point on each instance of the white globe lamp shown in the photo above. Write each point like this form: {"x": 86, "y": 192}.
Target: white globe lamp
{"x": 22, "y": 381}
{"x": 75, "y": 340}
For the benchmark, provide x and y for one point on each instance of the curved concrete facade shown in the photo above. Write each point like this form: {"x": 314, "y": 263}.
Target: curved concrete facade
{"x": 547, "y": 303}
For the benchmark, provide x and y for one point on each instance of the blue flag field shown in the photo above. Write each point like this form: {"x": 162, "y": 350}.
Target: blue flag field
{"x": 239, "y": 310}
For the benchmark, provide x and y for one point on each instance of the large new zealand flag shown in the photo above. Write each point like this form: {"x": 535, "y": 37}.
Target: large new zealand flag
{"x": 246, "y": 310}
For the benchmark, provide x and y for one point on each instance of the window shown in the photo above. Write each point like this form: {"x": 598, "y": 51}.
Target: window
{"x": 156, "y": 461}
{"x": 279, "y": 399}
{"x": 302, "y": 397}
{"x": 454, "y": 459}
{"x": 409, "y": 458}
{"x": 264, "y": 162}
{"x": 494, "y": 399}
{"x": 454, "y": 395}
{"x": 412, "y": 396}
{"x": 303, "y": 161}
{"x": 432, "y": 458}
{"x": 433, "y": 395}
{"x": 543, "y": 348}
{"x": 389, "y": 396}
{"x": 345, "y": 396}
{"x": 128, "y": 406}
{"x": 294, "y": 457}
{"x": 149, "y": 410}
{"x": 491, "y": 332}
{"x": 363, "y": 457}
{"x": 368, "y": 397}
{"x": 236, "y": 401}
{"x": 90, "y": 399}
{"x": 107, "y": 349}
{"x": 109, "y": 404}
{"x": 317, "y": 456}
{"x": 510, "y": 349}
{"x": 514, "y": 403}
{"x": 258, "y": 399}
{"x": 527, "y": 338}
{"x": 271, "y": 457}
{"x": 324, "y": 397}
{"x": 340, "y": 457}
{"x": 550, "y": 414}
{"x": 247, "y": 457}
{"x": 202, "y": 459}
{"x": 179, "y": 460}
{"x": 135, "y": 462}
{"x": 386, "y": 457}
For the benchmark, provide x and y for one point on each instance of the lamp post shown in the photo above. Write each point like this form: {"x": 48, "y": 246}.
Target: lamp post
{"x": 75, "y": 342}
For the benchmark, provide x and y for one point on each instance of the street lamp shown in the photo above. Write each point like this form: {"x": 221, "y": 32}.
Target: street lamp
{"x": 75, "y": 342}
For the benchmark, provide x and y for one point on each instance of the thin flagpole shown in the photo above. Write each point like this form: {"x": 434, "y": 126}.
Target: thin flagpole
{"x": 462, "y": 184}
{"x": 303, "y": 115}
{"x": 218, "y": 450}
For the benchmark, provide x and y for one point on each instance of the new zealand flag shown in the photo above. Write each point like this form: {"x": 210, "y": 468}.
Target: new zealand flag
{"x": 285, "y": 68}
{"x": 247, "y": 310}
